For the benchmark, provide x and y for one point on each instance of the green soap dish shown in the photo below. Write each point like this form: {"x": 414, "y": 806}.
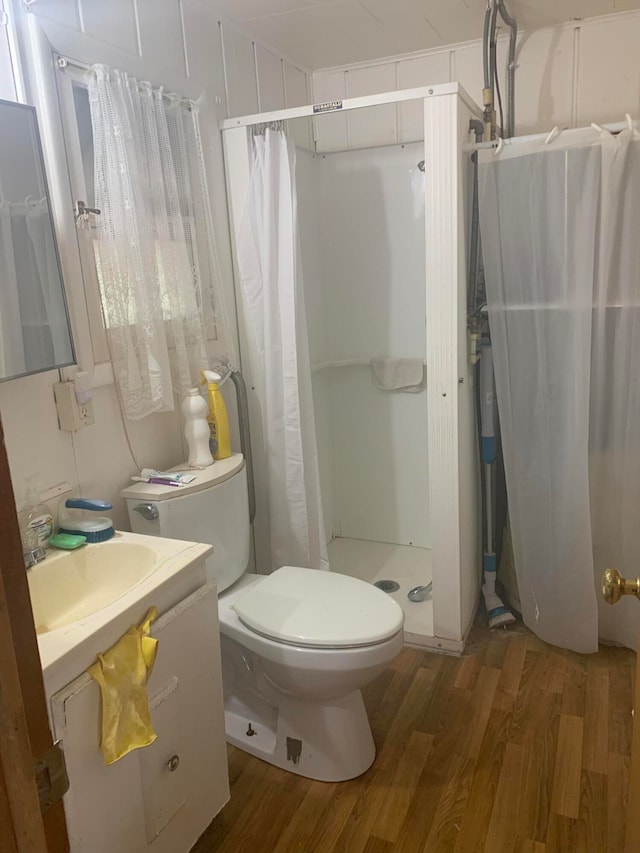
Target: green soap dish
{"x": 67, "y": 541}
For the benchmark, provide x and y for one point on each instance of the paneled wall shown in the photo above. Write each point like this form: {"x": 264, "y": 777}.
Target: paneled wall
{"x": 569, "y": 75}
{"x": 180, "y": 44}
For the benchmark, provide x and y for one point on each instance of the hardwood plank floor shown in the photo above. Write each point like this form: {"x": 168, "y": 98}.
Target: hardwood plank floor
{"x": 517, "y": 747}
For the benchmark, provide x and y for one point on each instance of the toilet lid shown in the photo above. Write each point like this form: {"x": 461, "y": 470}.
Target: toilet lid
{"x": 316, "y": 608}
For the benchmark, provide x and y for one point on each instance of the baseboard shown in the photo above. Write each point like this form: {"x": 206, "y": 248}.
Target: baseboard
{"x": 433, "y": 644}
{"x": 440, "y": 644}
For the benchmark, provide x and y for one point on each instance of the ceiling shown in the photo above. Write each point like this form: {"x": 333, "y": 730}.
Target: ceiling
{"x": 322, "y": 33}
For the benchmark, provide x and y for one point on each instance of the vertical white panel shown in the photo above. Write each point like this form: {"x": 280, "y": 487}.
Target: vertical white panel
{"x": 363, "y": 262}
{"x": 322, "y": 405}
{"x": 270, "y": 80}
{"x": 295, "y": 85}
{"x": 468, "y": 451}
{"x": 204, "y": 51}
{"x": 113, "y": 22}
{"x": 446, "y": 358}
{"x": 411, "y": 73}
{"x": 467, "y": 69}
{"x": 380, "y": 460}
{"x": 7, "y": 82}
{"x": 161, "y": 35}
{"x": 544, "y": 80}
{"x": 296, "y": 95}
{"x": 378, "y": 125}
{"x": 608, "y": 76}
{"x": 240, "y": 73}
{"x": 308, "y": 187}
{"x": 330, "y": 129}
{"x": 63, "y": 12}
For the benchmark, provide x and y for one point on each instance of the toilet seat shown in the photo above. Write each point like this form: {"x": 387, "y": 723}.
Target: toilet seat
{"x": 318, "y": 609}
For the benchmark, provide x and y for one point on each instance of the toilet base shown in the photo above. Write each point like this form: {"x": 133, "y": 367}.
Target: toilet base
{"x": 330, "y": 742}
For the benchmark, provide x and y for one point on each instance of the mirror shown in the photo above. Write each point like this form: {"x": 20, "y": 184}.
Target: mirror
{"x": 35, "y": 333}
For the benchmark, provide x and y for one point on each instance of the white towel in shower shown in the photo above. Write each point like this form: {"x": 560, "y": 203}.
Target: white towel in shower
{"x": 398, "y": 374}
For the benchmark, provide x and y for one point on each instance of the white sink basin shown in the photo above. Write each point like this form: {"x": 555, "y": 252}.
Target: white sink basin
{"x": 70, "y": 585}
{"x": 83, "y": 601}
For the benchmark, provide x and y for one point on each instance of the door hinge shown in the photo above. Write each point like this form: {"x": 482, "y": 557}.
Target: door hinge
{"x": 50, "y": 771}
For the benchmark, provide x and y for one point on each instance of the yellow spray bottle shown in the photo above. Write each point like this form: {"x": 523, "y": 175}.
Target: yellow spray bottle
{"x": 219, "y": 435}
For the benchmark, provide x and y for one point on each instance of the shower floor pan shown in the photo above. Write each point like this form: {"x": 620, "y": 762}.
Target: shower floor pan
{"x": 408, "y": 566}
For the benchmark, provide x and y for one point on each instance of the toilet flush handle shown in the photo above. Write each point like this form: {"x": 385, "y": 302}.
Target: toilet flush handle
{"x": 147, "y": 511}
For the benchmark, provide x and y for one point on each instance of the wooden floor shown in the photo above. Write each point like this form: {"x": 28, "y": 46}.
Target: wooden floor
{"x": 517, "y": 747}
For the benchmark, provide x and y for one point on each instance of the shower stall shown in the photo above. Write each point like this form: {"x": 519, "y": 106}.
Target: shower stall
{"x": 381, "y": 246}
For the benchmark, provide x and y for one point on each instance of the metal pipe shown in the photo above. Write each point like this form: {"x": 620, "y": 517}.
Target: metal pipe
{"x": 473, "y": 243}
{"x": 493, "y": 45}
{"x": 489, "y": 117}
{"x": 245, "y": 437}
{"x": 485, "y": 46}
{"x": 511, "y": 67}
{"x": 476, "y": 126}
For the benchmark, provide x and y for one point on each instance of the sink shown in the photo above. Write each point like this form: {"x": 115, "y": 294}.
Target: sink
{"x": 83, "y": 601}
{"x": 71, "y": 585}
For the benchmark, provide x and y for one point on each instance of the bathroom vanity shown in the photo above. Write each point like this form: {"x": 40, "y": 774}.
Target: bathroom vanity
{"x": 163, "y": 796}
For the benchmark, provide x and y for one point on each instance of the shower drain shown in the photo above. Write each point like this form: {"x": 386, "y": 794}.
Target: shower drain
{"x": 387, "y": 586}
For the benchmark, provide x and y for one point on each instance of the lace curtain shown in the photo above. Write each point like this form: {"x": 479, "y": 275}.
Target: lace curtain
{"x": 155, "y": 259}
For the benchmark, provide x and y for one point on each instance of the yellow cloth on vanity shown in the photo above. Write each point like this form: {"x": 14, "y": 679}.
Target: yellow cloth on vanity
{"x": 122, "y": 673}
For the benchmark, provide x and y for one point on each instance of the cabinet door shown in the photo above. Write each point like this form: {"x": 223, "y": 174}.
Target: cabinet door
{"x": 168, "y": 792}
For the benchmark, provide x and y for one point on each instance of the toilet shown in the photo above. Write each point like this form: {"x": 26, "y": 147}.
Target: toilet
{"x": 297, "y": 645}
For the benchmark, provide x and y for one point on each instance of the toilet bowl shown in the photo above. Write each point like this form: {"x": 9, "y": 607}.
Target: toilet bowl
{"x": 297, "y": 645}
{"x": 293, "y": 698}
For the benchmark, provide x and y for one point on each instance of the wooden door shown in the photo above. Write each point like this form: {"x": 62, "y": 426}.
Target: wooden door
{"x": 24, "y": 726}
{"x": 632, "y": 841}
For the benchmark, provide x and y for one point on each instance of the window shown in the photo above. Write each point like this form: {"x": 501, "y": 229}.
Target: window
{"x": 79, "y": 143}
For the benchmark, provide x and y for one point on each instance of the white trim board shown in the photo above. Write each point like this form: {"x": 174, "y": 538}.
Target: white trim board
{"x": 395, "y": 97}
{"x": 435, "y": 644}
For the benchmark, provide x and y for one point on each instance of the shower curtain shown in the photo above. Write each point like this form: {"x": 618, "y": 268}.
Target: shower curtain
{"x": 271, "y": 280}
{"x": 560, "y": 228}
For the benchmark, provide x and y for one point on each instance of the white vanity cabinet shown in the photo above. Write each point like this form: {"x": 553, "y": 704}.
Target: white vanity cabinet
{"x": 162, "y": 797}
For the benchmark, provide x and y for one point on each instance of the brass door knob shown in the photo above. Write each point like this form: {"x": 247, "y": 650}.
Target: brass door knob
{"x": 614, "y": 586}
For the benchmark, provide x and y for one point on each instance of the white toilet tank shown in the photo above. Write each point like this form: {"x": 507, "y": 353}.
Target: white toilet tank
{"x": 213, "y": 509}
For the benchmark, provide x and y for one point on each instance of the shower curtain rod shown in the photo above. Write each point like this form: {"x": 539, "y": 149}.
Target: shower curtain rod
{"x": 343, "y": 105}
{"x": 554, "y": 134}
{"x": 63, "y": 62}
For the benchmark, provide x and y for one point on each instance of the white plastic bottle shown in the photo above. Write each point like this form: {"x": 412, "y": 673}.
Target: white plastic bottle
{"x": 196, "y": 429}
{"x": 36, "y": 519}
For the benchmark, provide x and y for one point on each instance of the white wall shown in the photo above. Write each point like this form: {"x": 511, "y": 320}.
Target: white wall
{"x": 569, "y": 75}
{"x": 183, "y": 46}
{"x": 362, "y": 237}
{"x": 312, "y": 249}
